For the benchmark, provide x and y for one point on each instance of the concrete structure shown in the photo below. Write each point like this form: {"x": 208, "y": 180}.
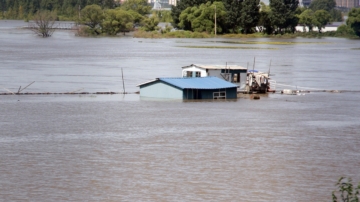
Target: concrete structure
{"x": 231, "y": 73}
{"x": 189, "y": 88}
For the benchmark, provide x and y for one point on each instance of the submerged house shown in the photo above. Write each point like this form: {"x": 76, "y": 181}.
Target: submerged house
{"x": 231, "y": 73}
{"x": 189, "y": 88}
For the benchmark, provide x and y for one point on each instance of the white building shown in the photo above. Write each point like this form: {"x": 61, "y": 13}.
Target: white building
{"x": 232, "y": 73}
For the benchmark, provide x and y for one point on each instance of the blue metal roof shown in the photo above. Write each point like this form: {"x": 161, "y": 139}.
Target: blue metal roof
{"x": 198, "y": 82}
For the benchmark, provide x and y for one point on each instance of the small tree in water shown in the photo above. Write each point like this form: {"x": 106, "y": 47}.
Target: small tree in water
{"x": 44, "y": 23}
{"x": 347, "y": 191}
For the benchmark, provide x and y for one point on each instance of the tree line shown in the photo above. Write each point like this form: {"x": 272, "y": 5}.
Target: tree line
{"x": 22, "y": 9}
{"x": 244, "y": 16}
{"x": 232, "y": 16}
{"x": 96, "y": 17}
{"x": 249, "y": 16}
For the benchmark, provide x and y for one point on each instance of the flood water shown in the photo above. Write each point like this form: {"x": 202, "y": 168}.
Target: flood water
{"x": 127, "y": 148}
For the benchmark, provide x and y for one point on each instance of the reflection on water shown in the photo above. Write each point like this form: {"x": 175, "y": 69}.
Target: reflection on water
{"x": 126, "y": 148}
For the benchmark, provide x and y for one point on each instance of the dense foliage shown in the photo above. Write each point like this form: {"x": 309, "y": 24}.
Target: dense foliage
{"x": 201, "y": 18}
{"x": 181, "y": 6}
{"x": 117, "y": 20}
{"x": 123, "y": 19}
{"x": 322, "y": 18}
{"x": 353, "y": 20}
{"x": 283, "y": 15}
{"x": 20, "y": 9}
{"x": 243, "y": 16}
{"x": 249, "y": 16}
{"x": 329, "y": 6}
{"x": 232, "y": 16}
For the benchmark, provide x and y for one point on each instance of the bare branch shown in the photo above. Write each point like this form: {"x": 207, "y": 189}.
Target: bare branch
{"x": 44, "y": 23}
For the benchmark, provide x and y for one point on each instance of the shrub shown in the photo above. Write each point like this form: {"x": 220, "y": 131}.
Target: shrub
{"x": 347, "y": 191}
{"x": 345, "y": 30}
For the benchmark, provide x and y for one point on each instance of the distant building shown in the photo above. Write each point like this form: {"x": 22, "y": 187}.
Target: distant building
{"x": 347, "y": 3}
{"x": 339, "y": 3}
{"x": 164, "y": 3}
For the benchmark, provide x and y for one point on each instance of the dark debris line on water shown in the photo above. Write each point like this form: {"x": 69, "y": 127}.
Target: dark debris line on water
{"x": 79, "y": 93}
{"x": 114, "y": 93}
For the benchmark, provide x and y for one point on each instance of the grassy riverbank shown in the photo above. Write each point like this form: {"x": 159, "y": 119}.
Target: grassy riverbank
{"x": 189, "y": 34}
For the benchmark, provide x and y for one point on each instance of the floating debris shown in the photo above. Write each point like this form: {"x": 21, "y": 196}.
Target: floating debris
{"x": 294, "y": 92}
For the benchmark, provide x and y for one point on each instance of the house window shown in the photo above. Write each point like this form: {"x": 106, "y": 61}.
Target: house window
{"x": 188, "y": 73}
{"x": 219, "y": 95}
{"x": 192, "y": 74}
{"x": 235, "y": 79}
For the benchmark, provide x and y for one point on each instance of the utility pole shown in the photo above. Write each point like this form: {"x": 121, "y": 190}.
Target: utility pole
{"x": 215, "y": 20}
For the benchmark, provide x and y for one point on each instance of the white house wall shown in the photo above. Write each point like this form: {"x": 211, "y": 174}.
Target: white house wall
{"x": 242, "y": 81}
{"x": 216, "y": 73}
{"x": 194, "y": 69}
{"x": 161, "y": 90}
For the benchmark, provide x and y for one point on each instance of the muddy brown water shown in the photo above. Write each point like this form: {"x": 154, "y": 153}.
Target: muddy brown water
{"x": 127, "y": 148}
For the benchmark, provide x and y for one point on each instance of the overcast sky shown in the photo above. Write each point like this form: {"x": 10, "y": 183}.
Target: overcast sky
{"x": 265, "y": 1}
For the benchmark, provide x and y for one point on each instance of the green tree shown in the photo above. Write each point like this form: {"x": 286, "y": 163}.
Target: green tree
{"x": 3, "y": 8}
{"x": 116, "y": 21}
{"x": 353, "y": 20}
{"x": 347, "y": 191}
{"x": 136, "y": 16}
{"x": 327, "y": 5}
{"x": 336, "y": 15}
{"x": 233, "y": 15}
{"x": 283, "y": 14}
{"x": 344, "y": 30}
{"x": 108, "y": 4}
{"x": 164, "y": 16}
{"x": 307, "y": 19}
{"x": 322, "y": 18}
{"x": 249, "y": 15}
{"x": 180, "y": 7}
{"x": 265, "y": 23}
{"x": 202, "y": 18}
{"x": 151, "y": 24}
{"x": 27, "y": 8}
{"x": 92, "y": 16}
{"x": 140, "y": 6}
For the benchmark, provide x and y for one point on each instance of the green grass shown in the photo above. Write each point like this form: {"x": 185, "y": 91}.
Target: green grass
{"x": 189, "y": 34}
{"x": 174, "y": 34}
